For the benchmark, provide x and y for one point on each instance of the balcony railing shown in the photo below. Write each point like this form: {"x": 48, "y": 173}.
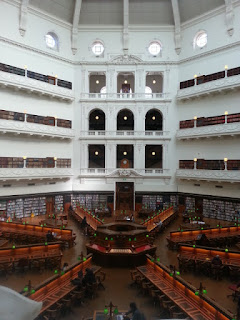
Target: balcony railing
{"x": 16, "y": 174}
{"x": 34, "y": 129}
{"x": 119, "y": 134}
{"x": 122, "y": 172}
{"x": 125, "y": 96}
{"x": 209, "y": 175}
{"x": 30, "y": 85}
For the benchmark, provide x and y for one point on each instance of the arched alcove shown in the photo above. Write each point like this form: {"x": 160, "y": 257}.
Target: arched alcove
{"x": 153, "y": 120}
{"x": 125, "y": 120}
{"x": 97, "y": 120}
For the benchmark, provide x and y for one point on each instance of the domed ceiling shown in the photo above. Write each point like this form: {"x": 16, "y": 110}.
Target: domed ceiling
{"x": 141, "y": 12}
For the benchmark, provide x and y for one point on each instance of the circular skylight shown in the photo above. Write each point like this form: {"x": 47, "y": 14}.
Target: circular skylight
{"x": 201, "y": 39}
{"x": 154, "y": 48}
{"x": 51, "y": 40}
{"x": 97, "y": 48}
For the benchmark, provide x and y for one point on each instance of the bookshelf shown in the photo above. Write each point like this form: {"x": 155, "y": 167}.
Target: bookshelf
{"x": 19, "y": 208}
{"x": 187, "y": 84}
{"x": 190, "y": 204}
{"x": 186, "y": 124}
{"x": 64, "y": 123}
{"x": 11, "y": 208}
{"x": 186, "y": 164}
{"x": 233, "y": 72}
{"x": 64, "y": 84}
{"x": 11, "y": 69}
{"x": 9, "y": 162}
{"x": 58, "y": 203}
{"x": 42, "y": 205}
{"x": 63, "y": 163}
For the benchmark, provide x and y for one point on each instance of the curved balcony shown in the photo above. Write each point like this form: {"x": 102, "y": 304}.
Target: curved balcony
{"x": 33, "y": 129}
{"x": 125, "y": 135}
{"x": 209, "y": 175}
{"x": 34, "y": 86}
{"x": 226, "y": 129}
{"x": 125, "y": 173}
{"x": 221, "y": 85}
{"x": 17, "y": 174}
{"x": 125, "y": 96}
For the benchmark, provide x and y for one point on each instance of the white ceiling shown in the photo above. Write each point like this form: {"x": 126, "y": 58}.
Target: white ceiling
{"x": 141, "y": 12}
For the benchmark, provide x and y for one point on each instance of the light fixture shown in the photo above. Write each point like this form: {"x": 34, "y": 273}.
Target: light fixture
{"x": 55, "y": 158}
{"x": 25, "y": 67}
{"x": 153, "y": 153}
{"x": 55, "y": 117}
{"x": 195, "y": 76}
{"x": 97, "y": 81}
{"x": 125, "y": 118}
{"x": 25, "y": 111}
{"x": 125, "y": 153}
{"x": 226, "y": 67}
{"x": 96, "y": 153}
{"x": 153, "y": 117}
{"x": 24, "y": 157}
{"x": 97, "y": 117}
{"x": 154, "y": 81}
{"x": 225, "y": 159}
{"x": 56, "y": 76}
{"x": 226, "y": 113}
{"x": 195, "y": 159}
{"x": 195, "y": 118}
{"x": 125, "y": 81}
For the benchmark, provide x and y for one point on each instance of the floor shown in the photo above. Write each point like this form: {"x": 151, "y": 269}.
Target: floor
{"x": 118, "y": 280}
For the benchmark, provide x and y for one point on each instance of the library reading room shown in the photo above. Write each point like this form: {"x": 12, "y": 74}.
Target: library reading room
{"x": 119, "y": 159}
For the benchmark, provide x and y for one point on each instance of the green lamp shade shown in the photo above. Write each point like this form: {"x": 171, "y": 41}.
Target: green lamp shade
{"x": 194, "y": 246}
{"x": 204, "y": 291}
{"x": 62, "y": 273}
{"x": 111, "y": 239}
{"x": 197, "y": 293}
{"x": 25, "y": 289}
{"x": 147, "y": 235}
{"x": 135, "y": 239}
{"x": 95, "y": 234}
{"x": 46, "y": 243}
{"x": 226, "y": 250}
{"x": 129, "y": 239}
{"x": 158, "y": 259}
{"x": 171, "y": 274}
{"x": 178, "y": 273}
{"x": 115, "y": 311}
{"x": 55, "y": 271}
{"x": 106, "y": 238}
{"x": 105, "y": 311}
{"x": 84, "y": 259}
{"x": 79, "y": 258}
{"x": 13, "y": 247}
{"x": 33, "y": 291}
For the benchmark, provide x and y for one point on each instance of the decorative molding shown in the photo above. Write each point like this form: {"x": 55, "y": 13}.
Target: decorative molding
{"x": 34, "y": 173}
{"x": 209, "y": 175}
{"x": 229, "y": 16}
{"x": 23, "y": 17}
{"x": 216, "y": 86}
{"x": 177, "y": 34}
{"x": 33, "y": 129}
{"x": 126, "y": 59}
{"x": 227, "y": 129}
{"x": 76, "y": 15}
{"x": 34, "y": 86}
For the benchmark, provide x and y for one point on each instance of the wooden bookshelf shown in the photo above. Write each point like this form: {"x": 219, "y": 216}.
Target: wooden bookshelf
{"x": 9, "y": 162}
{"x": 187, "y": 84}
{"x": 11, "y": 69}
{"x": 63, "y": 163}
{"x": 186, "y": 164}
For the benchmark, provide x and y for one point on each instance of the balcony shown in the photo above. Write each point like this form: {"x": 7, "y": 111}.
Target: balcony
{"x": 33, "y": 129}
{"x": 125, "y": 135}
{"x": 29, "y": 85}
{"x": 125, "y": 173}
{"x": 226, "y": 129}
{"x": 209, "y": 175}
{"x": 204, "y": 89}
{"x": 17, "y": 174}
{"x": 125, "y": 97}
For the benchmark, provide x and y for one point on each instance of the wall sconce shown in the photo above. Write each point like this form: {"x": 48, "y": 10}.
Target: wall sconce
{"x": 96, "y": 153}
{"x": 153, "y": 153}
{"x": 125, "y": 81}
{"x": 154, "y": 81}
{"x": 125, "y": 118}
{"x": 97, "y": 81}
{"x": 125, "y": 153}
{"x": 226, "y": 67}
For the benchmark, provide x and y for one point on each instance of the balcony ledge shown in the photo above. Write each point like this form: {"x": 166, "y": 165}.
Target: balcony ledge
{"x": 124, "y": 135}
{"x": 209, "y": 175}
{"x": 34, "y": 86}
{"x": 120, "y": 97}
{"x": 227, "y": 129}
{"x": 33, "y": 129}
{"x": 221, "y": 85}
{"x": 16, "y": 174}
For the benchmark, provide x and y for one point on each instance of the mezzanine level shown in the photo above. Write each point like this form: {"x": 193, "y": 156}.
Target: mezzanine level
{"x": 209, "y": 175}
{"x": 125, "y": 134}
{"x": 164, "y": 97}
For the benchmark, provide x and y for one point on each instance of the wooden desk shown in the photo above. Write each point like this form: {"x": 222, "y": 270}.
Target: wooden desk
{"x": 57, "y": 287}
{"x": 189, "y": 236}
{"x": 182, "y": 294}
{"x": 3, "y": 242}
{"x": 93, "y": 222}
{"x": 30, "y": 252}
{"x": 165, "y": 216}
{"x": 99, "y": 315}
{"x": 10, "y": 229}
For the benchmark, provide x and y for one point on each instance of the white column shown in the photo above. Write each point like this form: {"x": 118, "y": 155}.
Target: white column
{"x": 84, "y": 81}
{"x": 139, "y": 155}
{"x": 166, "y": 76}
{"x": 165, "y": 160}
{"x": 139, "y": 119}
{"x": 140, "y": 81}
{"x": 84, "y": 155}
{"x": 111, "y": 79}
{"x": 110, "y": 155}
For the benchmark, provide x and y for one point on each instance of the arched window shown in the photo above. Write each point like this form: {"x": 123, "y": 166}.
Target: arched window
{"x": 153, "y": 121}
{"x": 125, "y": 120}
{"x": 200, "y": 39}
{"x": 97, "y": 48}
{"x": 97, "y": 120}
{"x": 154, "y": 48}
{"x": 52, "y": 40}
{"x": 148, "y": 92}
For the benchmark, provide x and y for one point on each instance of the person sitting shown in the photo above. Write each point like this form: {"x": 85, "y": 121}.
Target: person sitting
{"x": 89, "y": 277}
{"x": 78, "y": 280}
{"x": 136, "y": 314}
{"x": 49, "y": 236}
{"x": 158, "y": 225}
{"x": 216, "y": 261}
{"x": 64, "y": 268}
{"x": 216, "y": 267}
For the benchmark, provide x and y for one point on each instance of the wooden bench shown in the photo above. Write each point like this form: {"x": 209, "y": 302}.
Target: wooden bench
{"x": 57, "y": 287}
{"x": 165, "y": 216}
{"x": 92, "y": 221}
{"x": 14, "y": 230}
{"x": 182, "y": 294}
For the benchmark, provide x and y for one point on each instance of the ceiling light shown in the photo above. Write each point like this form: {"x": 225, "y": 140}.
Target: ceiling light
{"x": 154, "y": 81}
{"x": 97, "y": 81}
{"x": 125, "y": 81}
{"x": 125, "y": 153}
{"x": 125, "y": 118}
{"x": 97, "y": 117}
{"x": 153, "y": 153}
{"x": 153, "y": 117}
{"x": 96, "y": 153}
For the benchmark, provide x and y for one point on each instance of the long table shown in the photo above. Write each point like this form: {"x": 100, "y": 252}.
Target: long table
{"x": 182, "y": 294}
{"x": 35, "y": 231}
{"x": 92, "y": 221}
{"x": 198, "y": 253}
{"x": 59, "y": 286}
{"x": 30, "y": 252}
{"x": 176, "y": 237}
{"x": 165, "y": 216}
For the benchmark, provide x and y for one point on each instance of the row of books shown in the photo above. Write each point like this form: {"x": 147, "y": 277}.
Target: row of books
{"x": 90, "y": 201}
{"x": 210, "y": 164}
{"x": 46, "y": 120}
{"x": 36, "y": 76}
{"x": 49, "y": 162}
{"x": 209, "y": 121}
{"x": 209, "y": 77}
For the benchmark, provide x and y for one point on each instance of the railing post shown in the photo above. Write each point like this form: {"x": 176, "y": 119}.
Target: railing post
{"x": 226, "y": 114}
{"x": 25, "y": 115}
{"x": 25, "y": 67}
{"x": 24, "y": 161}
{"x": 226, "y": 69}
{"x": 225, "y": 163}
{"x": 55, "y": 121}
{"x": 195, "y": 121}
{"x": 195, "y": 163}
{"x": 55, "y": 162}
{"x": 56, "y": 80}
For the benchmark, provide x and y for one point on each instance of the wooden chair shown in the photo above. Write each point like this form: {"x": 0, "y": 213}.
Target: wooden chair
{"x": 101, "y": 276}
